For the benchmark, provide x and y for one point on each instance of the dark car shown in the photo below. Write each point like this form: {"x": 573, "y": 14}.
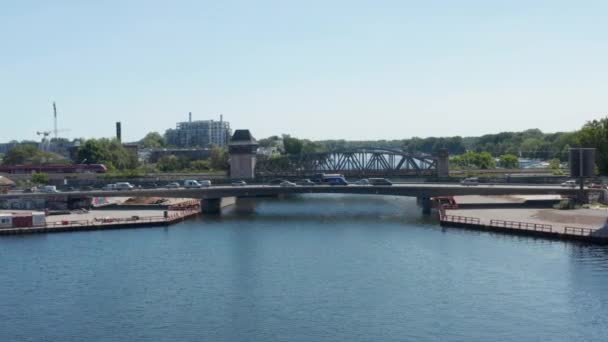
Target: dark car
{"x": 379, "y": 181}
{"x": 276, "y": 181}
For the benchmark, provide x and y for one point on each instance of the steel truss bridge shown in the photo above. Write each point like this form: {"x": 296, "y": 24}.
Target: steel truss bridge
{"x": 364, "y": 162}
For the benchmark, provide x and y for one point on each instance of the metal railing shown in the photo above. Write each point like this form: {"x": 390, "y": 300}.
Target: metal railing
{"x": 460, "y": 219}
{"x": 578, "y": 231}
{"x": 522, "y": 225}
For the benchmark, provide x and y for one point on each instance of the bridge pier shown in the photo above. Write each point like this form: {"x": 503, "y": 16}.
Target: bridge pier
{"x": 425, "y": 203}
{"x": 211, "y": 205}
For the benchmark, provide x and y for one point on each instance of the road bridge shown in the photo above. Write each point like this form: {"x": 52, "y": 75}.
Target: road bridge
{"x": 423, "y": 191}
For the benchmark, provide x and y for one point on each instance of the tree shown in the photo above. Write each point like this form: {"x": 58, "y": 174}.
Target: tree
{"x": 219, "y": 158}
{"x": 40, "y": 178}
{"x": 595, "y": 134}
{"x": 554, "y": 164}
{"x": 153, "y": 140}
{"x": 172, "y": 163}
{"x": 108, "y": 152}
{"x": 29, "y": 154}
{"x": 509, "y": 161}
{"x": 200, "y": 165}
{"x": 293, "y": 146}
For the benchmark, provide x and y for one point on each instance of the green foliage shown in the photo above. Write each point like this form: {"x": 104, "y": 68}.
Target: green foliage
{"x": 554, "y": 164}
{"x": 509, "y": 161}
{"x": 595, "y": 134}
{"x": 108, "y": 152}
{"x": 219, "y": 158}
{"x": 29, "y": 154}
{"x": 200, "y": 165}
{"x": 153, "y": 140}
{"x": 40, "y": 178}
{"x": 172, "y": 163}
{"x": 483, "y": 160}
{"x": 294, "y": 146}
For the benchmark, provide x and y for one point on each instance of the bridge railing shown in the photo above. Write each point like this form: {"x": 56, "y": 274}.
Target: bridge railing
{"x": 578, "y": 231}
{"x": 522, "y": 225}
{"x": 460, "y": 219}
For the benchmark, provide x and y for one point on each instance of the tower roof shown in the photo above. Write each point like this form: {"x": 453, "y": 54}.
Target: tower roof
{"x": 242, "y": 137}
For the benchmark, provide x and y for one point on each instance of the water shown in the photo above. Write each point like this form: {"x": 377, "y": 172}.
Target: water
{"x": 314, "y": 268}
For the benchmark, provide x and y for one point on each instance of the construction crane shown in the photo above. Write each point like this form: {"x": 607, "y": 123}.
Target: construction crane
{"x": 45, "y": 142}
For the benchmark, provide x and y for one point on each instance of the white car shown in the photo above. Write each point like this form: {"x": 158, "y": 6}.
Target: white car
{"x": 49, "y": 189}
{"x": 123, "y": 186}
{"x": 363, "y": 181}
{"x": 173, "y": 185}
{"x": 287, "y": 184}
{"x": 191, "y": 183}
{"x": 569, "y": 183}
{"x": 205, "y": 183}
{"x": 470, "y": 181}
{"x": 239, "y": 183}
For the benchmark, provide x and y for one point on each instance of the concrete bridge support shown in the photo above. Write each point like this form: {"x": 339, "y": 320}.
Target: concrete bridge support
{"x": 215, "y": 205}
{"x": 425, "y": 203}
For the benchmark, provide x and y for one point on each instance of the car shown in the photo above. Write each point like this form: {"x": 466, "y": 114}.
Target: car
{"x": 276, "y": 181}
{"x": 335, "y": 181}
{"x": 239, "y": 183}
{"x": 124, "y": 186}
{"x": 380, "y": 181}
{"x": 205, "y": 183}
{"x": 191, "y": 183}
{"x": 363, "y": 181}
{"x": 305, "y": 182}
{"x": 569, "y": 183}
{"x": 109, "y": 187}
{"x": 470, "y": 181}
{"x": 172, "y": 185}
{"x": 597, "y": 186}
{"x": 49, "y": 189}
{"x": 287, "y": 184}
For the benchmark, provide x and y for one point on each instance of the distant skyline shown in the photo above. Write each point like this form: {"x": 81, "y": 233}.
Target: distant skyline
{"x": 356, "y": 70}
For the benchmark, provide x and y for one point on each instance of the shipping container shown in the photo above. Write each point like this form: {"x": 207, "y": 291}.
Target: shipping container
{"x": 22, "y": 221}
{"x": 38, "y": 219}
{"x": 6, "y": 220}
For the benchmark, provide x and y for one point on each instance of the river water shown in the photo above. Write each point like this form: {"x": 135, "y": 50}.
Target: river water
{"x": 309, "y": 268}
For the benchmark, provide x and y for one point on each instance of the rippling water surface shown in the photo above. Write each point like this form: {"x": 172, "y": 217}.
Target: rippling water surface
{"x": 311, "y": 268}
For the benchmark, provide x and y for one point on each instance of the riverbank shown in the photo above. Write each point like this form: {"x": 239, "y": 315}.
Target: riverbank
{"x": 513, "y": 216}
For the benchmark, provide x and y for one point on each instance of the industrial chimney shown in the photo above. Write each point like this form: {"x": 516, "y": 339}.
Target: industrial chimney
{"x": 118, "y": 132}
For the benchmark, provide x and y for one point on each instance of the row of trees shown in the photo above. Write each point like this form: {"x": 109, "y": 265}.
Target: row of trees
{"x": 218, "y": 160}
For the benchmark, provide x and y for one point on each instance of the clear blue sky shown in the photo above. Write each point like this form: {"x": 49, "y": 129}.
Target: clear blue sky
{"x": 314, "y": 69}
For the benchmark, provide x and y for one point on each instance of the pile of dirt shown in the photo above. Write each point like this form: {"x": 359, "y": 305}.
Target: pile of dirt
{"x": 145, "y": 200}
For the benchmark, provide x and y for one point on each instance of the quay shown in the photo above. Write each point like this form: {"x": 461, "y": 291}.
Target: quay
{"x": 104, "y": 223}
{"x": 576, "y": 225}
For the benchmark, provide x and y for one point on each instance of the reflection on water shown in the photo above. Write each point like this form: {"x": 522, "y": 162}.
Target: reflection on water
{"x": 306, "y": 268}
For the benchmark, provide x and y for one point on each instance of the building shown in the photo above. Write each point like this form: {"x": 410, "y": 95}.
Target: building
{"x": 201, "y": 133}
{"x": 6, "y": 184}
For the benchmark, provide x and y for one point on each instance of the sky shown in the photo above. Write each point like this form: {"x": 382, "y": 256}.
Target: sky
{"x": 326, "y": 69}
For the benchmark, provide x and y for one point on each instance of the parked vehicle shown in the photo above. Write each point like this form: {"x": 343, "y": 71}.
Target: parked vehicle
{"x": 239, "y": 183}
{"x": 287, "y": 184}
{"x": 191, "y": 183}
{"x": 569, "y": 183}
{"x": 305, "y": 182}
{"x": 124, "y": 186}
{"x": 172, "y": 185}
{"x": 470, "y": 181}
{"x": 205, "y": 183}
{"x": 379, "y": 181}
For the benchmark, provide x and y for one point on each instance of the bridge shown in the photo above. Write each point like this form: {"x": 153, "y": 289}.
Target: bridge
{"x": 362, "y": 162}
{"x": 211, "y": 196}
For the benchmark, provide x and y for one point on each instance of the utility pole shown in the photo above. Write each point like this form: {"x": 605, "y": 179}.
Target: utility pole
{"x": 54, "y": 120}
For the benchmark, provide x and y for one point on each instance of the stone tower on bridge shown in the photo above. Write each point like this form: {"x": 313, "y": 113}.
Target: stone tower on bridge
{"x": 242, "y": 148}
